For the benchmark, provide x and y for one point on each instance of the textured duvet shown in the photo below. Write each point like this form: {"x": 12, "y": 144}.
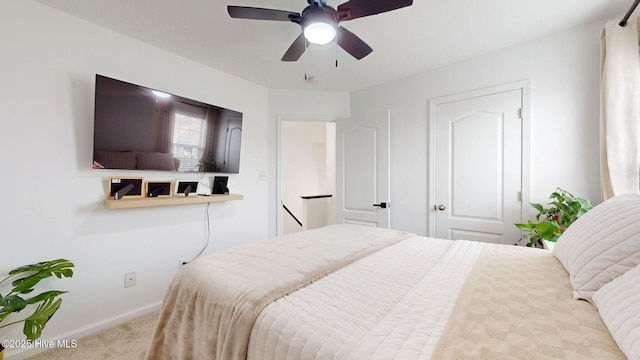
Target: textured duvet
{"x": 392, "y": 304}
{"x": 353, "y": 292}
{"x": 212, "y": 303}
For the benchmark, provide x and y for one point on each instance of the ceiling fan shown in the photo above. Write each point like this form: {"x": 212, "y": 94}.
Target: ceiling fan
{"x": 321, "y": 23}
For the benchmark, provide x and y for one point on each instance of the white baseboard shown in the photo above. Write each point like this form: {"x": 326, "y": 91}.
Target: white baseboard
{"x": 20, "y": 354}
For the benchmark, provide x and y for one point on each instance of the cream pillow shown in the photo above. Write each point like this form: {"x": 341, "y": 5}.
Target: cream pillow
{"x": 619, "y": 305}
{"x": 601, "y": 245}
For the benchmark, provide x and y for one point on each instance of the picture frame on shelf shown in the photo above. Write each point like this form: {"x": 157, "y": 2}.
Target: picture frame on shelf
{"x": 124, "y": 187}
{"x": 158, "y": 188}
{"x": 220, "y": 185}
{"x": 186, "y": 187}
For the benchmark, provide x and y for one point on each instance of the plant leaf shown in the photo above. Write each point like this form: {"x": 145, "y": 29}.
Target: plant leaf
{"x": 34, "y": 324}
{"x": 537, "y": 207}
{"x": 10, "y": 304}
{"x": 52, "y": 266}
{"x": 585, "y": 204}
{"x": 45, "y": 295}
{"x": 525, "y": 227}
{"x": 25, "y": 285}
{"x": 547, "y": 229}
{"x": 533, "y": 240}
{"x": 39, "y": 271}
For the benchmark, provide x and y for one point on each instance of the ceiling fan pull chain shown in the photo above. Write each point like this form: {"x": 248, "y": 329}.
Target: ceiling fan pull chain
{"x": 306, "y": 61}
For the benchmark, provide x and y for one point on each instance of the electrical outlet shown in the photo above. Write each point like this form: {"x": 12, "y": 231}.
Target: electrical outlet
{"x": 130, "y": 279}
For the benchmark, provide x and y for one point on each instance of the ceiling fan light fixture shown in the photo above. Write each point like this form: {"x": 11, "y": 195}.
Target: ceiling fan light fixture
{"x": 320, "y": 33}
{"x": 320, "y": 28}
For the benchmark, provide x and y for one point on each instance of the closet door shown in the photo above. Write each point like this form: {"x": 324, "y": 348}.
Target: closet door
{"x": 478, "y": 167}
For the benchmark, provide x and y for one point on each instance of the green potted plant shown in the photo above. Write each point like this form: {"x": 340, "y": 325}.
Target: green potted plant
{"x": 207, "y": 164}
{"x": 553, "y": 220}
{"x": 24, "y": 279}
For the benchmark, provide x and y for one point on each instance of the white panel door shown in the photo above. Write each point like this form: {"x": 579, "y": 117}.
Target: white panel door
{"x": 478, "y": 168}
{"x": 362, "y": 170}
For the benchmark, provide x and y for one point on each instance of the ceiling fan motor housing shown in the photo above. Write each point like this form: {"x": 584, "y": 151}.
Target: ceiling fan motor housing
{"x": 317, "y": 2}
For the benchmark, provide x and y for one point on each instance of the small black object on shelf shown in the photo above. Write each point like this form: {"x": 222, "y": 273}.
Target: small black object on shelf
{"x": 122, "y": 192}
{"x": 220, "y": 185}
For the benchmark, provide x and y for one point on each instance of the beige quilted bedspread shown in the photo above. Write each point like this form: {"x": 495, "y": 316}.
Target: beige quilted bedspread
{"x": 518, "y": 304}
{"x": 212, "y": 303}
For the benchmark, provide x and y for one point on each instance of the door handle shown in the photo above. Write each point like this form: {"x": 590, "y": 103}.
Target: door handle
{"x": 440, "y": 207}
{"x": 383, "y": 205}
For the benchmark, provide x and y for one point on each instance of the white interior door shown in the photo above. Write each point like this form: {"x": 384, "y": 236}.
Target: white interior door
{"x": 362, "y": 170}
{"x": 478, "y": 167}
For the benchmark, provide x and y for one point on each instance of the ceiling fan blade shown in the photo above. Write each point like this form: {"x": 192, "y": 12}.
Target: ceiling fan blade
{"x": 354, "y": 9}
{"x": 296, "y": 49}
{"x": 245, "y": 12}
{"x": 352, "y": 43}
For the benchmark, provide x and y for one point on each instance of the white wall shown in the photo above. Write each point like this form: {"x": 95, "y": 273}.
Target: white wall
{"x": 564, "y": 74}
{"x": 51, "y": 203}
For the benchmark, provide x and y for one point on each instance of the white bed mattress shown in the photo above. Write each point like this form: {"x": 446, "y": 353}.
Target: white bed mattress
{"x": 387, "y": 313}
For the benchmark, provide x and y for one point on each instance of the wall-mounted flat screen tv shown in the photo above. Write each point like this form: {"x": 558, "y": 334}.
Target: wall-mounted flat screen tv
{"x": 138, "y": 128}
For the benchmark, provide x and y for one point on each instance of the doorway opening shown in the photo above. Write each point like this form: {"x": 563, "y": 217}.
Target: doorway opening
{"x": 307, "y": 175}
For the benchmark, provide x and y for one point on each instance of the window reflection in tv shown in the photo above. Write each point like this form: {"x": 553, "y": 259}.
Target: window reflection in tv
{"x": 137, "y": 128}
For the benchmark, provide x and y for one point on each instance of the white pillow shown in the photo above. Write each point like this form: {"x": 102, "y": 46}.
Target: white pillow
{"x": 601, "y": 245}
{"x": 619, "y": 305}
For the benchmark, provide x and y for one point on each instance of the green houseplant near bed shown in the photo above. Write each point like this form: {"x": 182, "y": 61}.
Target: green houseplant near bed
{"x": 553, "y": 220}
{"x": 25, "y": 278}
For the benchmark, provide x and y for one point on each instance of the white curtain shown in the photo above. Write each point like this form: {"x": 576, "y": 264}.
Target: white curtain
{"x": 211, "y": 143}
{"x": 620, "y": 109}
{"x": 164, "y": 144}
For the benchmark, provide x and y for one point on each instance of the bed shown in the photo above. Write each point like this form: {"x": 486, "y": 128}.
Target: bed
{"x": 354, "y": 292}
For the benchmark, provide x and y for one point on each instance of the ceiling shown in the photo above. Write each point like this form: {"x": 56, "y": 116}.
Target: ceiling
{"x": 426, "y": 35}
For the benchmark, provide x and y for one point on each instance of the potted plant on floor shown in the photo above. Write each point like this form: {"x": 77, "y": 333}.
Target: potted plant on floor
{"x": 25, "y": 278}
{"x": 553, "y": 220}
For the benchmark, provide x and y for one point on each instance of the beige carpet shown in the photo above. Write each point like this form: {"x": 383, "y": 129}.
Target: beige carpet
{"x": 126, "y": 341}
